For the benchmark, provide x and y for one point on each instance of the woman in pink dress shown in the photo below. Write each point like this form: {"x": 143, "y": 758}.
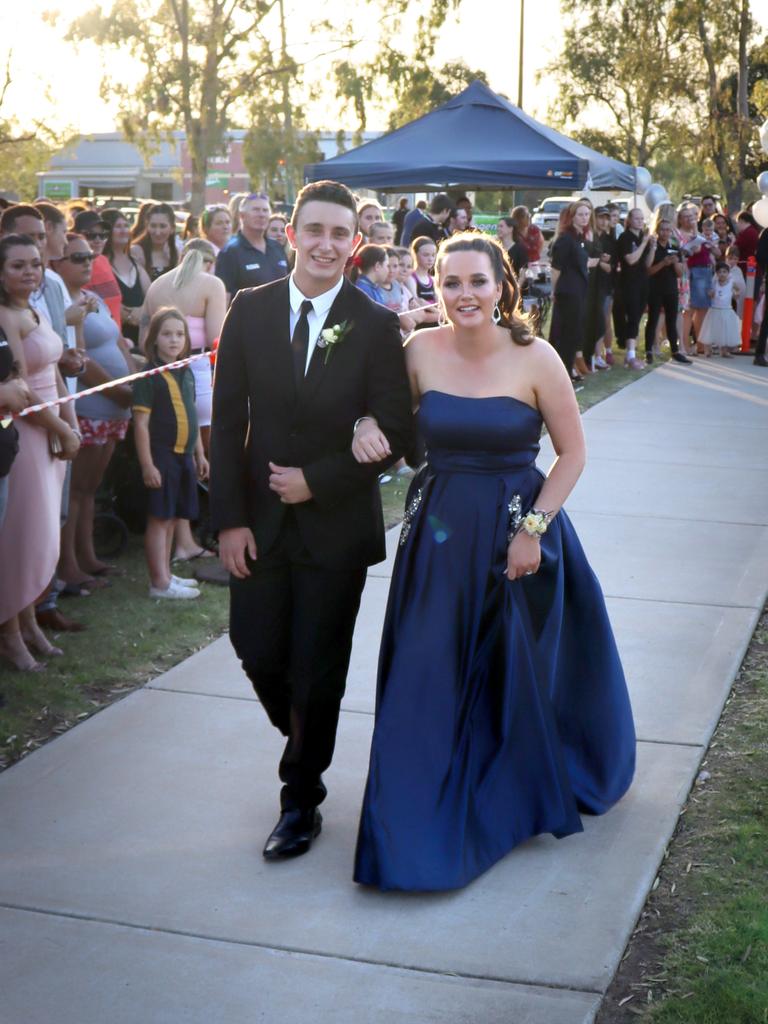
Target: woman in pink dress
{"x": 29, "y": 537}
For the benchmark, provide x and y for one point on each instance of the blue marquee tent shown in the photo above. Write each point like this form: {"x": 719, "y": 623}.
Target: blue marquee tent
{"x": 476, "y": 140}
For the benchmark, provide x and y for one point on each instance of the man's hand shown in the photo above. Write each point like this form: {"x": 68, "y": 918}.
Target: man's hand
{"x": 233, "y": 545}
{"x": 289, "y": 483}
{"x": 72, "y": 362}
{"x": 369, "y": 444}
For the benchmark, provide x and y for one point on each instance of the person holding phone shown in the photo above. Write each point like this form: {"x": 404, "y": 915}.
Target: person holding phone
{"x": 665, "y": 269}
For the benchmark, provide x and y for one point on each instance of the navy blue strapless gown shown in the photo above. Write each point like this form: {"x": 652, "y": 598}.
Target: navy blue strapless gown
{"x": 502, "y": 710}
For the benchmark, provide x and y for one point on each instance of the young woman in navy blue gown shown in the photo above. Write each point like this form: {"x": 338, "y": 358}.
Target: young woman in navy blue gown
{"x": 502, "y": 710}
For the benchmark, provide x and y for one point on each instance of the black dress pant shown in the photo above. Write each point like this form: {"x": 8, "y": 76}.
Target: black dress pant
{"x": 291, "y": 625}
{"x": 567, "y": 330}
{"x": 656, "y": 303}
{"x": 619, "y": 317}
{"x": 762, "y": 337}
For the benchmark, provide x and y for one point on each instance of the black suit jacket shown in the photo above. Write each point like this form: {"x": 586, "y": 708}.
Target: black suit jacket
{"x": 259, "y": 417}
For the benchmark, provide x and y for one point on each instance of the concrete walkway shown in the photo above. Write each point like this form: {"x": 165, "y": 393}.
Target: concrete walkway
{"x": 132, "y": 890}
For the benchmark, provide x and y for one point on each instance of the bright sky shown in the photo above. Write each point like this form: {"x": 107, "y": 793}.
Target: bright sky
{"x": 57, "y": 83}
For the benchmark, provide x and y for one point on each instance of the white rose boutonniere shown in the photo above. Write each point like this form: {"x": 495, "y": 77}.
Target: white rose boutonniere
{"x": 330, "y": 337}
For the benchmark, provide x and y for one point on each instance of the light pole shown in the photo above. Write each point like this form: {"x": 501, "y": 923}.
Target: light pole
{"x": 520, "y": 65}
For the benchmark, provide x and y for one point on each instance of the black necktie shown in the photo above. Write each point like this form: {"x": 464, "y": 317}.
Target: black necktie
{"x": 300, "y": 342}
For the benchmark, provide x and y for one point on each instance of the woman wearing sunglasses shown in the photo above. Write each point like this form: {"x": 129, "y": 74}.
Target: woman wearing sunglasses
{"x": 102, "y": 280}
{"x": 103, "y": 418}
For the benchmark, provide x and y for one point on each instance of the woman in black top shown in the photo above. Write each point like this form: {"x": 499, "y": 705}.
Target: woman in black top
{"x": 664, "y": 271}
{"x": 570, "y": 269}
{"x": 509, "y": 236}
{"x": 132, "y": 279}
{"x": 155, "y": 249}
{"x": 632, "y": 247}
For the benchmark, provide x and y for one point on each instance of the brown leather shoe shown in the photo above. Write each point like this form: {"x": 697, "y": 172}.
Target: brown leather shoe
{"x": 51, "y": 618}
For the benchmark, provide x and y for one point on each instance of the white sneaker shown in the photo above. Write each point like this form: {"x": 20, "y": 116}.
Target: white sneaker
{"x": 174, "y": 592}
{"x": 180, "y": 581}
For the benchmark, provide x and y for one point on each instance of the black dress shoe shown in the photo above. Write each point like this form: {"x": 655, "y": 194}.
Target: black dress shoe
{"x": 680, "y": 358}
{"x": 293, "y": 834}
{"x": 760, "y": 361}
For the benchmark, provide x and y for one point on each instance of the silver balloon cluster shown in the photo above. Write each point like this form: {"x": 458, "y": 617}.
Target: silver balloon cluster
{"x": 653, "y": 194}
{"x": 760, "y": 208}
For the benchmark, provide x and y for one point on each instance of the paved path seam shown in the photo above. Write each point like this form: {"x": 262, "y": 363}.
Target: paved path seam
{"x": 360, "y": 711}
{"x": 250, "y": 943}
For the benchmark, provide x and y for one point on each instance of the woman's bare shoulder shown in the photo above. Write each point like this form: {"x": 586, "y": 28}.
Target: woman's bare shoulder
{"x": 428, "y": 339}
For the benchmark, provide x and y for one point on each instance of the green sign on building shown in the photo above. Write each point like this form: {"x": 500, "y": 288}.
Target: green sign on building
{"x": 57, "y": 189}
{"x": 217, "y": 180}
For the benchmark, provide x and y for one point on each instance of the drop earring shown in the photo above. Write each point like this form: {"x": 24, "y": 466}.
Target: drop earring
{"x": 496, "y": 315}
{"x": 442, "y": 319}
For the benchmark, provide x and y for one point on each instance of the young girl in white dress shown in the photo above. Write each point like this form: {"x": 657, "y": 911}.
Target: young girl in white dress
{"x": 721, "y": 328}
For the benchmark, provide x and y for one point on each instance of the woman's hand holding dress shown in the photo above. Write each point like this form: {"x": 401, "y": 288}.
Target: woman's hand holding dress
{"x": 523, "y": 556}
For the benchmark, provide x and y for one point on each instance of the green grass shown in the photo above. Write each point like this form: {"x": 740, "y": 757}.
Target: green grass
{"x": 701, "y": 948}
{"x": 129, "y": 640}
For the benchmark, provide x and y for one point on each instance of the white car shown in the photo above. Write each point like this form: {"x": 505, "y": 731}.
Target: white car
{"x": 546, "y": 216}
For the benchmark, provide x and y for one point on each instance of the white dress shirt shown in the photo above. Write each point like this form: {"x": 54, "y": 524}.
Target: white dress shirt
{"x": 321, "y": 306}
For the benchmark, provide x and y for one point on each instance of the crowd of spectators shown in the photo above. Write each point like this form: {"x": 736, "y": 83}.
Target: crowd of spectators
{"x": 687, "y": 264}
{"x": 86, "y": 298}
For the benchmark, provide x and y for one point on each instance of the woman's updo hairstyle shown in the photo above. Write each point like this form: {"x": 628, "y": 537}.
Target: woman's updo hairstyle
{"x": 509, "y": 302}
{"x": 196, "y": 252}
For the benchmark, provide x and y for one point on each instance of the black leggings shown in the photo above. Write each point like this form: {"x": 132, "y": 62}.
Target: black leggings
{"x": 657, "y": 303}
{"x": 634, "y": 306}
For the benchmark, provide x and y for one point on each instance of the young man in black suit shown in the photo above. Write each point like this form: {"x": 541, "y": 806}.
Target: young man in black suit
{"x": 299, "y": 362}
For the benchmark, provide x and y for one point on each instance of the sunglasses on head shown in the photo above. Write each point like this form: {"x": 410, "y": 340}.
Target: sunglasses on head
{"x": 96, "y": 236}
{"x": 257, "y": 195}
{"x": 77, "y": 257}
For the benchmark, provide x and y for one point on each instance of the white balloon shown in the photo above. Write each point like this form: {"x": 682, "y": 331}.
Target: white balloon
{"x": 760, "y": 212}
{"x": 643, "y": 179}
{"x": 762, "y": 183}
{"x": 655, "y": 195}
{"x": 764, "y": 136}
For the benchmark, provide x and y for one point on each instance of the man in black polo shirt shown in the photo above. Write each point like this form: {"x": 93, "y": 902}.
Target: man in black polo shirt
{"x": 250, "y": 258}
{"x": 430, "y": 223}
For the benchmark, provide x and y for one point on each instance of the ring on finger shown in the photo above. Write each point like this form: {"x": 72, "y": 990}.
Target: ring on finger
{"x": 529, "y": 572}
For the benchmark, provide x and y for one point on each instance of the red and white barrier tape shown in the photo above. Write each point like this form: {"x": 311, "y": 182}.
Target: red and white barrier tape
{"x": 63, "y": 399}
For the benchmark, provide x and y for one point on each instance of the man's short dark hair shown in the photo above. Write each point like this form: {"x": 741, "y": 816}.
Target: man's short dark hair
{"x": 440, "y": 203}
{"x": 51, "y": 214}
{"x": 325, "y": 192}
{"x": 713, "y": 198}
{"x": 13, "y": 214}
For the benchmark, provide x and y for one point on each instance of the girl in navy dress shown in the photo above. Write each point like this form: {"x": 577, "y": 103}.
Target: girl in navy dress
{"x": 502, "y": 711}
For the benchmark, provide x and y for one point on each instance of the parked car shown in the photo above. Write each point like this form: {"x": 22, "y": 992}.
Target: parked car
{"x": 546, "y": 216}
